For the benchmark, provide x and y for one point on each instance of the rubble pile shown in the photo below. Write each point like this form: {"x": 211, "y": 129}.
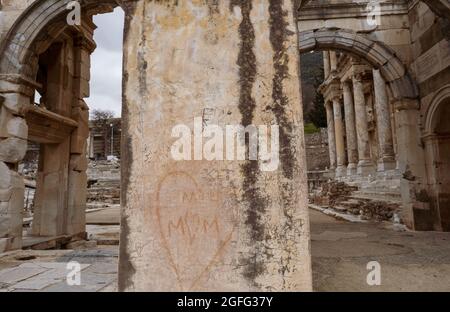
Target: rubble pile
{"x": 343, "y": 198}
{"x": 103, "y": 184}
{"x": 332, "y": 193}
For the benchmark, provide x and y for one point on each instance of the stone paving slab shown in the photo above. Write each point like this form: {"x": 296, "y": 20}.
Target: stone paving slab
{"x": 89, "y": 283}
{"x": 49, "y": 274}
{"x": 19, "y": 273}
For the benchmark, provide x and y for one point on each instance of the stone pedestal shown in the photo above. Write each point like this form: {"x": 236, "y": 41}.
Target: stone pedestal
{"x": 195, "y": 224}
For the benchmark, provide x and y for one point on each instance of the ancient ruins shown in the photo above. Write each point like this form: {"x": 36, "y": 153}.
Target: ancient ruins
{"x": 225, "y": 225}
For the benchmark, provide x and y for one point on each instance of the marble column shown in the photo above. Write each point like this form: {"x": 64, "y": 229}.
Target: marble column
{"x": 339, "y": 133}
{"x": 365, "y": 165}
{"x": 192, "y": 221}
{"x": 352, "y": 147}
{"x": 326, "y": 63}
{"x": 333, "y": 61}
{"x": 385, "y": 139}
{"x": 331, "y": 135}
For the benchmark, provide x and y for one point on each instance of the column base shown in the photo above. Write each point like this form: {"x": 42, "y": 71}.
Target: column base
{"x": 386, "y": 164}
{"x": 352, "y": 170}
{"x": 331, "y": 173}
{"x": 341, "y": 171}
{"x": 365, "y": 168}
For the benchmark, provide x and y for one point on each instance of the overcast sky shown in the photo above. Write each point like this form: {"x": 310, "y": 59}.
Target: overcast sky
{"x": 106, "y": 63}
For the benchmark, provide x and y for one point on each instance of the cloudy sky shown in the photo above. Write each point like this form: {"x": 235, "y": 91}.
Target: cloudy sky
{"x": 106, "y": 63}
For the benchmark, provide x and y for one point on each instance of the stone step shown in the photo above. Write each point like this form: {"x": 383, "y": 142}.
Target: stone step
{"x": 376, "y": 196}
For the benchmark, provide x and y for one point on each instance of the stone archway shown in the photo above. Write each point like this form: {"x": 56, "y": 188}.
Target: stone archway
{"x": 437, "y": 145}
{"x": 405, "y": 98}
{"x": 61, "y": 177}
{"x": 376, "y": 53}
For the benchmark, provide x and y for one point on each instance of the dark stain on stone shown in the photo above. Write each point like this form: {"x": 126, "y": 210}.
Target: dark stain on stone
{"x": 213, "y": 7}
{"x": 422, "y": 196}
{"x": 252, "y": 197}
{"x": 126, "y": 268}
{"x": 211, "y": 35}
{"x": 141, "y": 57}
{"x": 408, "y": 175}
{"x": 278, "y": 36}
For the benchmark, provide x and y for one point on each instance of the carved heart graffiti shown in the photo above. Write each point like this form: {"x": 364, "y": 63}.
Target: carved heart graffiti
{"x": 193, "y": 231}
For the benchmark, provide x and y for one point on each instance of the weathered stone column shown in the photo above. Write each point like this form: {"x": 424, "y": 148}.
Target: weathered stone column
{"x": 365, "y": 166}
{"x": 333, "y": 61}
{"x": 352, "y": 147}
{"x": 326, "y": 64}
{"x": 78, "y": 163}
{"x": 383, "y": 117}
{"x": 331, "y": 135}
{"x": 211, "y": 225}
{"x": 339, "y": 132}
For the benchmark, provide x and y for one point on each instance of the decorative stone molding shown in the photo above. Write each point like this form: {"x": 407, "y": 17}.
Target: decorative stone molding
{"x": 376, "y": 53}
{"x": 430, "y": 116}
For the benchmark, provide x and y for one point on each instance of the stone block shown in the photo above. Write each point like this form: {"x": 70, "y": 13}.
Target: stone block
{"x": 80, "y": 135}
{"x": 325, "y": 38}
{"x": 12, "y": 150}
{"x": 4, "y": 244}
{"x": 15, "y": 102}
{"x": 404, "y": 88}
{"x": 307, "y": 41}
{"x": 346, "y": 39}
{"x": 362, "y": 45}
{"x": 17, "y": 127}
{"x": 4, "y": 224}
{"x": 5, "y": 176}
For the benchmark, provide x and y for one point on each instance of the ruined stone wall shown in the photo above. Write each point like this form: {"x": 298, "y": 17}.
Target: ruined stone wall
{"x": 430, "y": 36}
{"x": 104, "y": 139}
{"x": 317, "y": 152}
{"x": 430, "y": 52}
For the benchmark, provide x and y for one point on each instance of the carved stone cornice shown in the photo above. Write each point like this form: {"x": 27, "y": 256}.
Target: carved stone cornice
{"x": 332, "y": 90}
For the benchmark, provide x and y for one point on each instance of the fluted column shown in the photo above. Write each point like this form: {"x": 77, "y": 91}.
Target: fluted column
{"x": 365, "y": 166}
{"x": 352, "y": 147}
{"x": 333, "y": 61}
{"x": 331, "y": 135}
{"x": 326, "y": 63}
{"x": 339, "y": 133}
{"x": 385, "y": 139}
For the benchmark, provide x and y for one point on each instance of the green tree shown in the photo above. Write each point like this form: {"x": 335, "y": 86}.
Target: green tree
{"x": 318, "y": 114}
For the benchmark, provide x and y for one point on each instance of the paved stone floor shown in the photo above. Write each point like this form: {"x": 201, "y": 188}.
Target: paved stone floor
{"x": 410, "y": 261}
{"x": 341, "y": 250}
